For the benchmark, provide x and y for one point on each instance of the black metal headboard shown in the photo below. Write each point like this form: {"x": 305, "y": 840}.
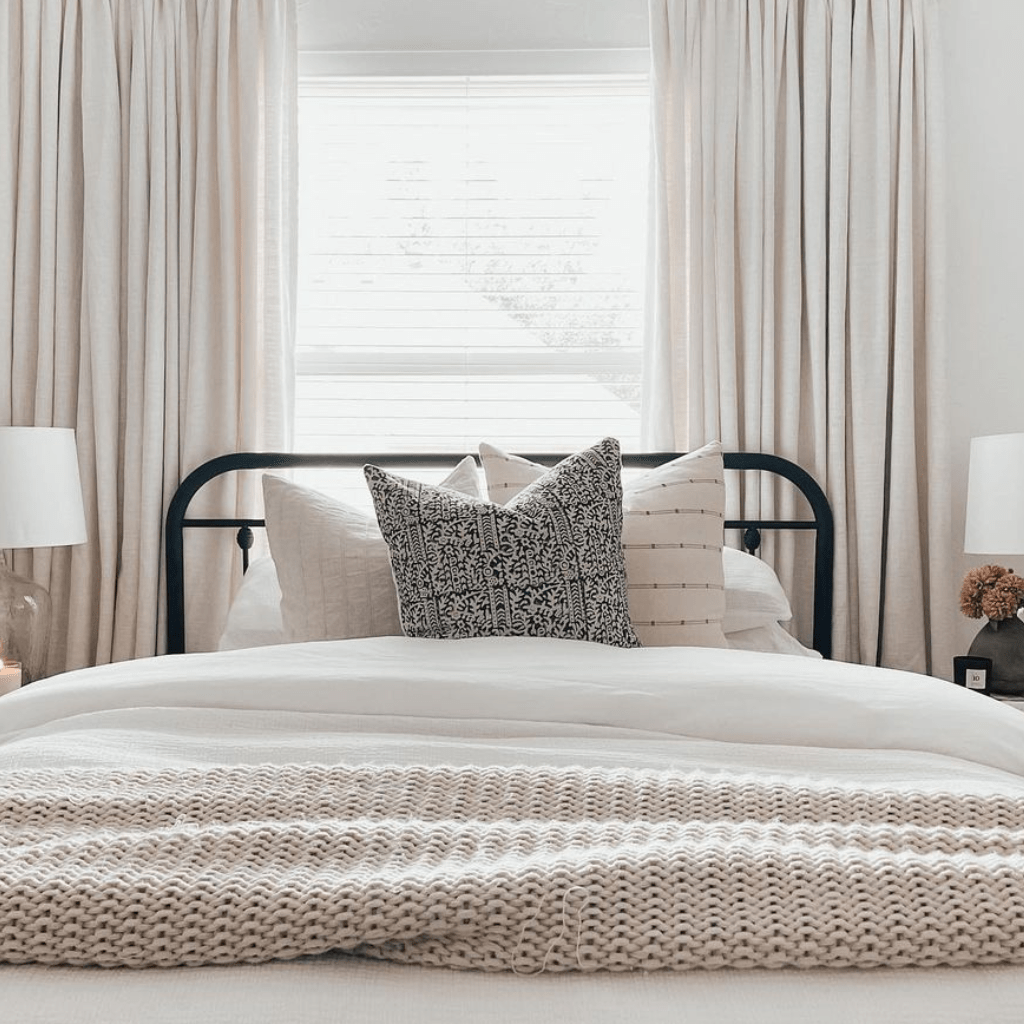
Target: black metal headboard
{"x": 820, "y": 523}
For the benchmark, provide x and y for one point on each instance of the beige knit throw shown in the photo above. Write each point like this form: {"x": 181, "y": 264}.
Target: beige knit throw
{"x": 524, "y": 869}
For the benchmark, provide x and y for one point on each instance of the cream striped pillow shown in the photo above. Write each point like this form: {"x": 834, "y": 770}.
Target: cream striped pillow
{"x": 672, "y": 535}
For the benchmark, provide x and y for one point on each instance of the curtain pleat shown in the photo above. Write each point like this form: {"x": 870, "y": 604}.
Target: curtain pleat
{"x": 796, "y": 278}
{"x": 147, "y": 260}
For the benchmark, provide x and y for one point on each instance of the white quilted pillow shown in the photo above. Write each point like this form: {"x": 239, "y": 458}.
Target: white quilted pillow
{"x": 332, "y": 562}
{"x": 672, "y": 535}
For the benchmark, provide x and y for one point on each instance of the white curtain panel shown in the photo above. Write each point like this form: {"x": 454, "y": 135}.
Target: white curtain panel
{"x": 147, "y": 257}
{"x": 796, "y": 286}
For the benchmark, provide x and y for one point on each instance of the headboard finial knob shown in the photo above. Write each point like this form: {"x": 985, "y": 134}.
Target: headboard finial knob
{"x": 245, "y": 539}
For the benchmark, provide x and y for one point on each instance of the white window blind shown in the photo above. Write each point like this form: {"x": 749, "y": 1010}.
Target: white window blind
{"x": 471, "y": 261}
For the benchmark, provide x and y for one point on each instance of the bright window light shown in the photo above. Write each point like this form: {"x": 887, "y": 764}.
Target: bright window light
{"x": 471, "y": 261}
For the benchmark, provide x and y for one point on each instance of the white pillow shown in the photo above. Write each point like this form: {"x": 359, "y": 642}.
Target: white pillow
{"x": 254, "y": 618}
{"x": 753, "y": 594}
{"x": 772, "y": 637}
{"x": 332, "y": 562}
{"x": 672, "y": 534}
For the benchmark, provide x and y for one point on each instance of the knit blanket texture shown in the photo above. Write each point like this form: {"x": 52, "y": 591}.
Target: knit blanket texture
{"x": 524, "y": 869}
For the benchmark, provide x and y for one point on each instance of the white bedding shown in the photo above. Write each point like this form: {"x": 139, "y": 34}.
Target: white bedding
{"x": 514, "y": 701}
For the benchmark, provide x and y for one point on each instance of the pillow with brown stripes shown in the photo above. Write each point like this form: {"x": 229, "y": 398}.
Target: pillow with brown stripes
{"x": 672, "y": 536}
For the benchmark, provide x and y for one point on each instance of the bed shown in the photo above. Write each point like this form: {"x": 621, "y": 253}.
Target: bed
{"x": 509, "y": 828}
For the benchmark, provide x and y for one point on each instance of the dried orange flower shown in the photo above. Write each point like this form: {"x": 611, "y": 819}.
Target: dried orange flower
{"x": 992, "y": 591}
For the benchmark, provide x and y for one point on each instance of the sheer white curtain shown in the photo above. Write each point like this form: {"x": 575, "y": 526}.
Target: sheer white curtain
{"x": 147, "y": 255}
{"x": 796, "y": 293}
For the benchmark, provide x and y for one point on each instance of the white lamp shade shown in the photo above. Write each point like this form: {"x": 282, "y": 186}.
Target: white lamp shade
{"x": 995, "y": 496}
{"x": 40, "y": 489}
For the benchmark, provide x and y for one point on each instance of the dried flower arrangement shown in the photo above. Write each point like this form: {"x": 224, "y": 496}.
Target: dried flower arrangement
{"x": 992, "y": 591}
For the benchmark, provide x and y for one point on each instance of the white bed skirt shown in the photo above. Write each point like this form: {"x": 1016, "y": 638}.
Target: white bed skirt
{"x": 353, "y": 991}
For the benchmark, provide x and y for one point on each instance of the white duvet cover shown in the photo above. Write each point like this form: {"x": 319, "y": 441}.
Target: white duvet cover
{"x": 394, "y": 700}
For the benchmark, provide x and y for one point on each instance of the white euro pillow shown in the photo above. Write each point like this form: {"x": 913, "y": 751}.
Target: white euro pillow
{"x": 754, "y": 597}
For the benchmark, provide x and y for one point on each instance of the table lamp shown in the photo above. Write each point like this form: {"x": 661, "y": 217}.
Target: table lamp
{"x": 40, "y": 506}
{"x": 995, "y": 496}
{"x": 995, "y": 526}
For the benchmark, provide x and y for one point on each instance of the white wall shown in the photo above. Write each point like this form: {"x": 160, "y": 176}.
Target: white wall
{"x": 984, "y": 72}
{"x": 471, "y": 24}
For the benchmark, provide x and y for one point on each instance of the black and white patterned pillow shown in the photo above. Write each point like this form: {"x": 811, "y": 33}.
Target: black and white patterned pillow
{"x": 549, "y": 563}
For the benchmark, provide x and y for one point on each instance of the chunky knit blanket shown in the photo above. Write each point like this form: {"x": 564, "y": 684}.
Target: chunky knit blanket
{"x": 519, "y": 869}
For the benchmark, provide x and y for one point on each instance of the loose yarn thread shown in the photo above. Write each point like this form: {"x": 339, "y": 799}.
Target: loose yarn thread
{"x": 557, "y": 940}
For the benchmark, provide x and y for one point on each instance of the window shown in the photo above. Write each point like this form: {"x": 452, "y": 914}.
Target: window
{"x": 471, "y": 261}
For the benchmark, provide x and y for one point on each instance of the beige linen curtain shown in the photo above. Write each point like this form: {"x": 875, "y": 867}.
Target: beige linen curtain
{"x": 796, "y": 287}
{"x": 147, "y": 254}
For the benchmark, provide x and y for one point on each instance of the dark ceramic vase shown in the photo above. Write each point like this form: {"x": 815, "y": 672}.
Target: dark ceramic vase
{"x": 1002, "y": 642}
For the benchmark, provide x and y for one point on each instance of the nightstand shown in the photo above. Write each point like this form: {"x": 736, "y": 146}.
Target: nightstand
{"x": 1013, "y": 702}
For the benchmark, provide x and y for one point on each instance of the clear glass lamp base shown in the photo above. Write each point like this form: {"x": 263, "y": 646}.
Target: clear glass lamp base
{"x": 24, "y": 623}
